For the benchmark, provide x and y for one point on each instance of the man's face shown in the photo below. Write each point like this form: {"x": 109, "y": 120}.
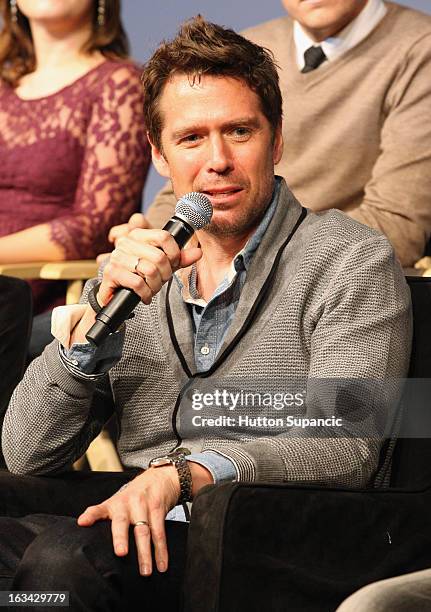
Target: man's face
{"x": 323, "y": 18}
{"x": 216, "y": 140}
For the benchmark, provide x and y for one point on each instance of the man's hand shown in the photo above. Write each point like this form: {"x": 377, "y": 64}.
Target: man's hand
{"x": 148, "y": 497}
{"x": 143, "y": 261}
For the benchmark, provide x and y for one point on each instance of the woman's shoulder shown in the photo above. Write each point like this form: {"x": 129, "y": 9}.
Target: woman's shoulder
{"x": 106, "y": 77}
{"x": 114, "y": 76}
{"x": 117, "y": 69}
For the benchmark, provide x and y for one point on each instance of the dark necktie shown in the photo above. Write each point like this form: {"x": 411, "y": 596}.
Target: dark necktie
{"x": 313, "y": 57}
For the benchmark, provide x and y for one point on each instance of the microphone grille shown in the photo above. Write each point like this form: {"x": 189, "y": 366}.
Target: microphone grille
{"x": 195, "y": 208}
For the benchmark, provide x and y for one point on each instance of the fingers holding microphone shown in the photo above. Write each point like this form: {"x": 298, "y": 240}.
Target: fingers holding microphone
{"x": 162, "y": 248}
{"x": 143, "y": 261}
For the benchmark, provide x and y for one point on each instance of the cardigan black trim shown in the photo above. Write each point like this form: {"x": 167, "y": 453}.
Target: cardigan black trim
{"x": 247, "y": 323}
{"x": 246, "y": 326}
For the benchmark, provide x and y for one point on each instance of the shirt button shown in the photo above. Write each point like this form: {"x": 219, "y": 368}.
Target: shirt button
{"x": 75, "y": 362}
{"x": 205, "y": 350}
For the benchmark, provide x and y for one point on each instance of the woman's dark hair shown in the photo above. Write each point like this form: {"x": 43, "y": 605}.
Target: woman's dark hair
{"x": 202, "y": 48}
{"x": 17, "y": 56}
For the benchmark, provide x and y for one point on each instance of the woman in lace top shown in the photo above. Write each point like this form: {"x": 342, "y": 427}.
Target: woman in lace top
{"x": 73, "y": 146}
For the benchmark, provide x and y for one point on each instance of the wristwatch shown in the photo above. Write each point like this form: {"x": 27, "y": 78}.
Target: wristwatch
{"x": 92, "y": 299}
{"x": 177, "y": 458}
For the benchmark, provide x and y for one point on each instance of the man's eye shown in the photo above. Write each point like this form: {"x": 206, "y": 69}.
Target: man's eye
{"x": 241, "y": 133}
{"x": 191, "y": 138}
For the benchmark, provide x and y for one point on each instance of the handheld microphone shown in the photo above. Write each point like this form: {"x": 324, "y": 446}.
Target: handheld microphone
{"x": 192, "y": 212}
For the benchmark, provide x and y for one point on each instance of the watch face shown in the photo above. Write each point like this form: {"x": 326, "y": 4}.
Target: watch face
{"x": 170, "y": 458}
{"x": 161, "y": 461}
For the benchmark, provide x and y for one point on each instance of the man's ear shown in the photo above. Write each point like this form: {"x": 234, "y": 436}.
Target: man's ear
{"x": 159, "y": 160}
{"x": 278, "y": 146}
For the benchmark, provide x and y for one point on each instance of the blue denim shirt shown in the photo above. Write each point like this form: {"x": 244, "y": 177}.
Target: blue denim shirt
{"x": 212, "y": 319}
{"x": 211, "y": 322}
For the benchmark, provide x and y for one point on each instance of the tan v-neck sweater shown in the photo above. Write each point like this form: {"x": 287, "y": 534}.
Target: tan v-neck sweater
{"x": 357, "y": 131}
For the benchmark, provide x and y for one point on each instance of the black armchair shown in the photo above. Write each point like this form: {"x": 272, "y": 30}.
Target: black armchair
{"x": 255, "y": 547}
{"x": 15, "y": 326}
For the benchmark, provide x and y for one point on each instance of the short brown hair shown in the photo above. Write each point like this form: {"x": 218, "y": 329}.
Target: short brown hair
{"x": 16, "y": 45}
{"x": 201, "y": 48}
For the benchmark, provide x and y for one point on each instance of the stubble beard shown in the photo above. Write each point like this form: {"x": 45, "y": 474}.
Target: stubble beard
{"x": 243, "y": 225}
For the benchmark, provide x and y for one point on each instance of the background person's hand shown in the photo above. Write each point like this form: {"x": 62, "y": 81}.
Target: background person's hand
{"x": 137, "y": 220}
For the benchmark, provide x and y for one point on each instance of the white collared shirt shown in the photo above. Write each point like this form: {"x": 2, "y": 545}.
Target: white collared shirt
{"x": 372, "y": 13}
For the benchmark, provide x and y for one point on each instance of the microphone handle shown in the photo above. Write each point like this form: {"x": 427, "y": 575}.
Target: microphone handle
{"x": 124, "y": 301}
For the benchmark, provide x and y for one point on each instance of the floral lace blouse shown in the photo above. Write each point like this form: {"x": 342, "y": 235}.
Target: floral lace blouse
{"x": 76, "y": 159}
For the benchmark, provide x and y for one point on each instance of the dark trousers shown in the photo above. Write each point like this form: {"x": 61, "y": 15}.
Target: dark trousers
{"x": 42, "y": 547}
{"x": 15, "y": 325}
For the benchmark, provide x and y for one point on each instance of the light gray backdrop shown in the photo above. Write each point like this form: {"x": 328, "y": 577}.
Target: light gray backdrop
{"x": 148, "y": 22}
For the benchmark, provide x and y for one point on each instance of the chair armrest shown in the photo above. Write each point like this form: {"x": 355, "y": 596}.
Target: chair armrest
{"x": 102, "y": 455}
{"x": 25, "y": 270}
{"x": 70, "y": 270}
{"x": 74, "y": 271}
{"x": 80, "y": 269}
{"x": 254, "y": 547}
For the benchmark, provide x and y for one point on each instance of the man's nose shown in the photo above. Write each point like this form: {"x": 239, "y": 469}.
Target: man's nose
{"x": 219, "y": 156}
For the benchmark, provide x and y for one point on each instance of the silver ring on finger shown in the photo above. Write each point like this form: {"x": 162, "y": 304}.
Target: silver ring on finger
{"x": 137, "y": 264}
{"x": 141, "y": 523}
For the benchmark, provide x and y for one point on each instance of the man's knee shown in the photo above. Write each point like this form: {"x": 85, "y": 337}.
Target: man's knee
{"x": 64, "y": 557}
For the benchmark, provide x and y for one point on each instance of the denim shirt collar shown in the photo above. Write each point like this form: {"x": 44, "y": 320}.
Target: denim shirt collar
{"x": 187, "y": 279}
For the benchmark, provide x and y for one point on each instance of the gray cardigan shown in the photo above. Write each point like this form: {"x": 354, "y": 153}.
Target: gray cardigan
{"x": 331, "y": 303}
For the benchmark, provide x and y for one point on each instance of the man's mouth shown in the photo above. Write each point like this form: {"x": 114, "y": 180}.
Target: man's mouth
{"x": 221, "y": 193}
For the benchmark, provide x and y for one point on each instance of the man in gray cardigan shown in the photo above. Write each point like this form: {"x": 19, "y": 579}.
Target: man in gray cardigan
{"x": 268, "y": 294}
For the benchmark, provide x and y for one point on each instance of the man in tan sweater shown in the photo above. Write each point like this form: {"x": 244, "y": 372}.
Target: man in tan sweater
{"x": 357, "y": 128}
